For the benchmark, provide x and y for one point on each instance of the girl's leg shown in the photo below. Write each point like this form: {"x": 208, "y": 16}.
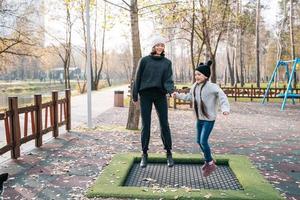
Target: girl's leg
{"x": 204, "y": 135}
{"x": 199, "y": 126}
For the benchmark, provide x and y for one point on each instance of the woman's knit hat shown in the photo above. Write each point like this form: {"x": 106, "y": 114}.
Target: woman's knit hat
{"x": 204, "y": 68}
{"x": 158, "y": 40}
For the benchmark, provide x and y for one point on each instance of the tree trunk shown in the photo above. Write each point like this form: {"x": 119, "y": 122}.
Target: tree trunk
{"x": 229, "y": 65}
{"x": 96, "y": 81}
{"x": 257, "y": 44}
{"x": 225, "y": 75}
{"x": 134, "y": 111}
{"x": 98, "y": 71}
{"x": 279, "y": 37}
{"x": 67, "y": 48}
{"x": 236, "y": 71}
{"x": 241, "y": 40}
{"x": 85, "y": 41}
{"x": 209, "y": 43}
{"x": 292, "y": 39}
{"x": 233, "y": 69}
{"x": 229, "y": 68}
{"x": 192, "y": 40}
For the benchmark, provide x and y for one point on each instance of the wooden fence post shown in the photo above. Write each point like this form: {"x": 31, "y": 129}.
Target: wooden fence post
{"x": 269, "y": 93}
{"x": 235, "y": 92}
{"x": 168, "y": 101}
{"x": 174, "y": 103}
{"x": 55, "y": 113}
{"x": 251, "y": 92}
{"x": 38, "y": 120}
{"x": 68, "y": 105}
{"x": 14, "y": 127}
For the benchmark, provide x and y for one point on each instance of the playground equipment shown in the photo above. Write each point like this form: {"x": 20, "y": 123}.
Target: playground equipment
{"x": 290, "y": 77}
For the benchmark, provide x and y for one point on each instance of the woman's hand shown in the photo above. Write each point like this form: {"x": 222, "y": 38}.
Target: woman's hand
{"x": 136, "y": 103}
{"x": 225, "y": 113}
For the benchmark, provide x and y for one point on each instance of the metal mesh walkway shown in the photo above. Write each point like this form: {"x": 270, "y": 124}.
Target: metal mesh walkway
{"x": 181, "y": 175}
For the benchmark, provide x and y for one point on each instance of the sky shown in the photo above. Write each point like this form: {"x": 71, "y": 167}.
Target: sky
{"x": 118, "y": 37}
{"x": 270, "y": 14}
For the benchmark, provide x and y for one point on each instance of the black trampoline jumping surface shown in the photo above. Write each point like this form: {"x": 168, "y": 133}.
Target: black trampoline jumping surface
{"x": 182, "y": 175}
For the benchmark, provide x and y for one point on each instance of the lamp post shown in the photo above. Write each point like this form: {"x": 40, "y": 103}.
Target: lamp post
{"x": 88, "y": 64}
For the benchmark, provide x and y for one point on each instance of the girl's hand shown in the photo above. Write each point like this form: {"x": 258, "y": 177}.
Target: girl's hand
{"x": 225, "y": 113}
{"x": 173, "y": 94}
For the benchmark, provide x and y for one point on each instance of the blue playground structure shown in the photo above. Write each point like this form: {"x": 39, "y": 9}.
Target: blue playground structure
{"x": 290, "y": 77}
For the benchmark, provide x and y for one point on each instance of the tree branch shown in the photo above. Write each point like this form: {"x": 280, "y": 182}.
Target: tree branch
{"x": 126, "y": 3}
{"x": 21, "y": 54}
{"x": 9, "y": 46}
{"x": 116, "y": 5}
{"x": 160, "y": 4}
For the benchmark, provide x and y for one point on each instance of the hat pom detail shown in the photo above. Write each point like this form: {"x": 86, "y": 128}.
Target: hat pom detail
{"x": 209, "y": 63}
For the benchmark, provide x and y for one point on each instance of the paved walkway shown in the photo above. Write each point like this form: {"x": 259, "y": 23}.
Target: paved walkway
{"x": 65, "y": 167}
{"x": 101, "y": 101}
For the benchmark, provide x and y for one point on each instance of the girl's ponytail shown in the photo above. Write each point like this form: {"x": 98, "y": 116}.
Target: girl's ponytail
{"x": 195, "y": 102}
{"x": 203, "y": 107}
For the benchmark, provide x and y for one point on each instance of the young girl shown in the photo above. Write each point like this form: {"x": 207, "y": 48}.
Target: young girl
{"x": 204, "y": 95}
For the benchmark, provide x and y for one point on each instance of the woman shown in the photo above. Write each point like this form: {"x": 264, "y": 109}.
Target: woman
{"x": 154, "y": 79}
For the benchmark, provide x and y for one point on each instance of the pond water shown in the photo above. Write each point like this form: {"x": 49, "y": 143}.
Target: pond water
{"x": 25, "y": 98}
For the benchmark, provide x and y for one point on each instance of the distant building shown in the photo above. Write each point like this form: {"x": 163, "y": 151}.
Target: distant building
{"x": 58, "y": 73}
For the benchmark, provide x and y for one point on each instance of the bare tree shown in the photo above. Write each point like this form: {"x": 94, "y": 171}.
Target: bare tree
{"x": 280, "y": 31}
{"x": 134, "y": 111}
{"x": 18, "y": 40}
{"x": 97, "y": 71}
{"x": 293, "y": 54}
{"x": 212, "y": 36}
{"x": 66, "y": 58}
{"x": 132, "y": 7}
{"x": 257, "y": 43}
{"x": 241, "y": 42}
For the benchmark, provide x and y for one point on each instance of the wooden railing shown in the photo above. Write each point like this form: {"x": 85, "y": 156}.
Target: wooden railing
{"x": 252, "y": 92}
{"x": 234, "y": 92}
{"x": 32, "y": 122}
{"x": 240, "y": 92}
{"x": 177, "y": 102}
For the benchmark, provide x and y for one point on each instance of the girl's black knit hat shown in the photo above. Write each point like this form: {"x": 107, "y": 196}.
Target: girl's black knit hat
{"x": 204, "y": 68}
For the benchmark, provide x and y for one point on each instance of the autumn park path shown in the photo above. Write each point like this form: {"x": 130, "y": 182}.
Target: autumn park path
{"x": 65, "y": 167}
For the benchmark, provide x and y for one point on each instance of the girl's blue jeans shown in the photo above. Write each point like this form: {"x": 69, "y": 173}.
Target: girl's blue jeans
{"x": 204, "y": 129}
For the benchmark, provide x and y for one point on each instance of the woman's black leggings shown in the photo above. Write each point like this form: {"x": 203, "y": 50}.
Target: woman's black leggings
{"x": 147, "y": 99}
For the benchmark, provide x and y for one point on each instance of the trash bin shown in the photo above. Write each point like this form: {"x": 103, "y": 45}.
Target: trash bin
{"x": 119, "y": 99}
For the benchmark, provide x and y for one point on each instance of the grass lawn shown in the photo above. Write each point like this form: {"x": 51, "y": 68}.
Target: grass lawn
{"x": 111, "y": 180}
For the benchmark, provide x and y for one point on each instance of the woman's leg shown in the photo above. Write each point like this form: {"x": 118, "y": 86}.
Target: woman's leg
{"x": 146, "y": 108}
{"x": 161, "y": 106}
{"x": 204, "y": 135}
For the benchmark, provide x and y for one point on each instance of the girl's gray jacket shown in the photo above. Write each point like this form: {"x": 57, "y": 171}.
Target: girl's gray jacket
{"x": 211, "y": 94}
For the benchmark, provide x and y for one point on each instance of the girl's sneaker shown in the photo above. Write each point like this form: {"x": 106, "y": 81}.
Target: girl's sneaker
{"x": 209, "y": 169}
{"x": 204, "y": 166}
